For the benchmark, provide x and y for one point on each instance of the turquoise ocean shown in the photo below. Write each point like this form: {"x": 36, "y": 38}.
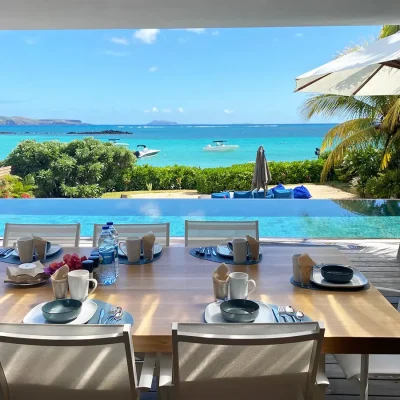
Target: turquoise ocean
{"x": 183, "y": 144}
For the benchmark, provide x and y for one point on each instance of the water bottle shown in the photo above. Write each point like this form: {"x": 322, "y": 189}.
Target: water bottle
{"x": 115, "y": 234}
{"x": 106, "y": 274}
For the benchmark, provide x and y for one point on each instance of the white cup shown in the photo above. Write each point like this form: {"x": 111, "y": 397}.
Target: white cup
{"x": 25, "y": 248}
{"x": 239, "y": 248}
{"x": 239, "y": 285}
{"x": 132, "y": 248}
{"x": 78, "y": 282}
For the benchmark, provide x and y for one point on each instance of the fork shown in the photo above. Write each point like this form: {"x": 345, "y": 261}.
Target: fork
{"x": 111, "y": 317}
{"x": 5, "y": 251}
{"x": 282, "y": 313}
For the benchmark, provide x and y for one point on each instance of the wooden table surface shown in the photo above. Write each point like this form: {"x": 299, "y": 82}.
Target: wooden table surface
{"x": 178, "y": 287}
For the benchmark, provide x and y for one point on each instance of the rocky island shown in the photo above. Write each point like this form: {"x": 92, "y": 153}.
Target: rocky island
{"x": 160, "y": 122}
{"x": 23, "y": 121}
{"x": 105, "y": 132}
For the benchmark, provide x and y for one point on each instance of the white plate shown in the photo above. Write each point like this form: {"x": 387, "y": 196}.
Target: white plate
{"x": 54, "y": 248}
{"x": 358, "y": 280}
{"x": 223, "y": 250}
{"x": 157, "y": 250}
{"x": 35, "y": 316}
{"x": 212, "y": 314}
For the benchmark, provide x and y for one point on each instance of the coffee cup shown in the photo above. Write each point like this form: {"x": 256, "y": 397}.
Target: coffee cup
{"x": 25, "y": 248}
{"x": 239, "y": 248}
{"x": 239, "y": 283}
{"x": 132, "y": 248}
{"x": 78, "y": 282}
{"x": 296, "y": 267}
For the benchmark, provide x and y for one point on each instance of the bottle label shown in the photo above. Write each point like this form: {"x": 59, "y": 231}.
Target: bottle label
{"x": 107, "y": 257}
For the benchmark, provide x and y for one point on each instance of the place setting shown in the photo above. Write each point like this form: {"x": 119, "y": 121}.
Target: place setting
{"x": 30, "y": 249}
{"x": 77, "y": 308}
{"x": 238, "y": 251}
{"x": 139, "y": 250}
{"x": 231, "y": 305}
{"x": 307, "y": 274}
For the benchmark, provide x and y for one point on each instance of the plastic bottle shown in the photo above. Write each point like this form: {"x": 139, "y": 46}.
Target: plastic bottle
{"x": 106, "y": 274}
{"x": 115, "y": 234}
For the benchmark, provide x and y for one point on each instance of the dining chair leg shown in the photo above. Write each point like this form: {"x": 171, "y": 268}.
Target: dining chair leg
{"x": 364, "y": 376}
{"x": 322, "y": 383}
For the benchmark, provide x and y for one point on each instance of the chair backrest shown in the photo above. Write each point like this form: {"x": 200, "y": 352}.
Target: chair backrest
{"x": 246, "y": 361}
{"x": 213, "y": 232}
{"x": 64, "y": 234}
{"x": 162, "y": 231}
{"x": 80, "y": 362}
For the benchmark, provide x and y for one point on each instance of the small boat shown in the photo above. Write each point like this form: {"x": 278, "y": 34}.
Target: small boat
{"x": 221, "y": 146}
{"x": 122, "y": 144}
{"x": 145, "y": 152}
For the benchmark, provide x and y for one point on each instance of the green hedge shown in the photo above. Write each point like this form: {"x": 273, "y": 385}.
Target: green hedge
{"x": 210, "y": 180}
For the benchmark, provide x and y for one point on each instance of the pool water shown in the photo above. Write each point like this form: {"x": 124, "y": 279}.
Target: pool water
{"x": 277, "y": 218}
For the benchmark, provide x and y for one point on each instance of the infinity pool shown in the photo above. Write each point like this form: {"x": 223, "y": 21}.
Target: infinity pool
{"x": 277, "y": 218}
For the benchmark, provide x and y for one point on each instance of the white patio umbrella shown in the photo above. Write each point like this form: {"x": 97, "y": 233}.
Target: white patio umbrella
{"x": 262, "y": 174}
{"x": 373, "y": 70}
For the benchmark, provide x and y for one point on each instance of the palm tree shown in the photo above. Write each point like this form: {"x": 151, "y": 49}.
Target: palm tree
{"x": 371, "y": 119}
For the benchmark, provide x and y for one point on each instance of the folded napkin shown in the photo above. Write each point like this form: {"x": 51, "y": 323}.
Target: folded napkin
{"x": 306, "y": 261}
{"x": 306, "y": 264}
{"x": 61, "y": 274}
{"x": 148, "y": 244}
{"x": 254, "y": 246}
{"x": 41, "y": 247}
{"x": 35, "y": 275}
{"x": 220, "y": 279}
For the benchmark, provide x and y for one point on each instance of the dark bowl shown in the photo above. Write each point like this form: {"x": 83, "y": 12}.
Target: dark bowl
{"x": 61, "y": 311}
{"x": 337, "y": 273}
{"x": 239, "y": 310}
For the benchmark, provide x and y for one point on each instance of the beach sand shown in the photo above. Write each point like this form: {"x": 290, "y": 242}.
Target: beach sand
{"x": 317, "y": 192}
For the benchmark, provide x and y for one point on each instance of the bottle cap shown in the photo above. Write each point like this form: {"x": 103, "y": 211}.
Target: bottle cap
{"x": 110, "y": 223}
{"x": 105, "y": 227}
{"x": 88, "y": 265}
{"x": 95, "y": 259}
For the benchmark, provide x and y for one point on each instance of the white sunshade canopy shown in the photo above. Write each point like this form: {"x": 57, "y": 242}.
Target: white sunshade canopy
{"x": 373, "y": 70}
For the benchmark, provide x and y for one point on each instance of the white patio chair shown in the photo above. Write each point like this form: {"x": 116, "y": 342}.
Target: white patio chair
{"x": 64, "y": 362}
{"x": 202, "y": 233}
{"x": 64, "y": 234}
{"x": 243, "y": 361}
{"x": 162, "y": 231}
{"x": 361, "y": 367}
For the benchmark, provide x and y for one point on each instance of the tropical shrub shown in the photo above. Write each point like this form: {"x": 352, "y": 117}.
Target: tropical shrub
{"x": 81, "y": 168}
{"x": 384, "y": 186}
{"x": 12, "y": 186}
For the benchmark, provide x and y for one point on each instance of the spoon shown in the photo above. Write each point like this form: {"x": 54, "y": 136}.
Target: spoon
{"x": 289, "y": 310}
{"x": 299, "y": 315}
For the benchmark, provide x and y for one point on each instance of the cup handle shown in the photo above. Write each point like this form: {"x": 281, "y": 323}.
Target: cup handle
{"x": 95, "y": 286}
{"x": 254, "y": 286}
{"x": 229, "y": 245}
{"x": 119, "y": 246}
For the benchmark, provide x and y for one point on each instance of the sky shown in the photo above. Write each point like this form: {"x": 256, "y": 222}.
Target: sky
{"x": 190, "y": 76}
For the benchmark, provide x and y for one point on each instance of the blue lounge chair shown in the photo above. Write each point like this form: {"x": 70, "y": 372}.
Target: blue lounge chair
{"x": 243, "y": 195}
{"x": 221, "y": 195}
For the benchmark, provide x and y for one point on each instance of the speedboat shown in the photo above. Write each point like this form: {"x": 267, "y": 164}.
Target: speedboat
{"x": 221, "y": 146}
{"x": 145, "y": 152}
{"x": 122, "y": 144}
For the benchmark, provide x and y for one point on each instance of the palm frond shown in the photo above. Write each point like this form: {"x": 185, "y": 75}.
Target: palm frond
{"x": 344, "y": 130}
{"x": 355, "y": 140}
{"x": 330, "y": 105}
{"x": 388, "y": 30}
{"x": 392, "y": 146}
{"x": 391, "y": 121}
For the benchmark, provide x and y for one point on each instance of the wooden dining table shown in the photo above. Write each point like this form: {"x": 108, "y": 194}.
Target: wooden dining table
{"x": 178, "y": 287}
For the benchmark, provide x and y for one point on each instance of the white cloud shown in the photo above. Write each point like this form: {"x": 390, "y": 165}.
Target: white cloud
{"x": 299, "y": 35}
{"x": 226, "y": 111}
{"x": 153, "y": 68}
{"x": 147, "y": 36}
{"x": 215, "y": 33}
{"x": 116, "y": 53}
{"x": 199, "y": 31}
{"x": 154, "y": 110}
{"x": 167, "y": 110}
{"x": 180, "y": 109}
{"x": 120, "y": 40}
{"x": 30, "y": 40}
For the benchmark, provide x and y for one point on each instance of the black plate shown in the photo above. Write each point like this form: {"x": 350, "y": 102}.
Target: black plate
{"x": 239, "y": 310}
{"x": 337, "y": 273}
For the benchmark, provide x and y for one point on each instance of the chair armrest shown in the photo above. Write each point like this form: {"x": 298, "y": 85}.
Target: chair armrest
{"x": 146, "y": 376}
{"x": 388, "y": 292}
{"x": 321, "y": 379}
{"x": 165, "y": 379}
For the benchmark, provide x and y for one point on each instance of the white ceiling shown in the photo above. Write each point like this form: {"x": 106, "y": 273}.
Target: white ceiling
{"x": 102, "y": 14}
